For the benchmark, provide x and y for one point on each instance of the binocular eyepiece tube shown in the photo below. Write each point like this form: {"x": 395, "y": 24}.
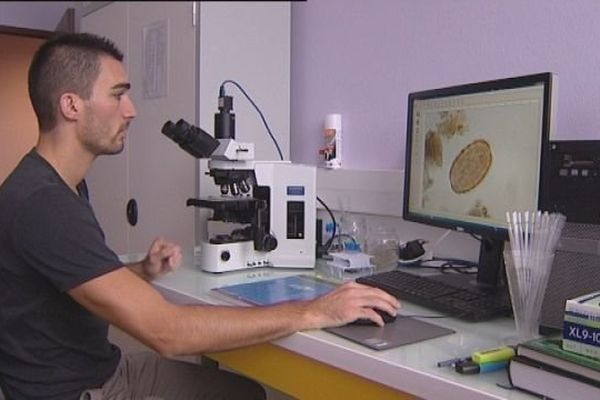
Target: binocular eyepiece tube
{"x": 190, "y": 138}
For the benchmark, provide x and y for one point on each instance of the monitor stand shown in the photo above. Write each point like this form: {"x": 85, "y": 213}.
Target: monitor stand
{"x": 490, "y": 272}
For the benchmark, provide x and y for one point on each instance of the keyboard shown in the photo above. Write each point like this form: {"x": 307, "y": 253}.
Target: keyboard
{"x": 468, "y": 304}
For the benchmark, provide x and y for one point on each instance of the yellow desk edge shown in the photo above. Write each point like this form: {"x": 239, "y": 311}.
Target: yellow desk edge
{"x": 302, "y": 377}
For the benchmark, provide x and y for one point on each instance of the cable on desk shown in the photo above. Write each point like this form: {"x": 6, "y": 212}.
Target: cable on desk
{"x": 341, "y": 245}
{"x": 327, "y": 245}
{"x": 448, "y": 265}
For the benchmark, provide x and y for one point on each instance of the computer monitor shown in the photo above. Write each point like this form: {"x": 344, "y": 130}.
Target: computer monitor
{"x": 474, "y": 152}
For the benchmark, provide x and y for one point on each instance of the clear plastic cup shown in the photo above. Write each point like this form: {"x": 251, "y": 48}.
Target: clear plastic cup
{"x": 527, "y": 275}
{"x": 383, "y": 246}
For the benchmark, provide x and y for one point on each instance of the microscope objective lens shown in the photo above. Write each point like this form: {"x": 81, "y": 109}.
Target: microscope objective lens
{"x": 234, "y": 189}
{"x": 244, "y": 187}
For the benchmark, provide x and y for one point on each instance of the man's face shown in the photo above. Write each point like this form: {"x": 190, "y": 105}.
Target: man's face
{"x": 108, "y": 111}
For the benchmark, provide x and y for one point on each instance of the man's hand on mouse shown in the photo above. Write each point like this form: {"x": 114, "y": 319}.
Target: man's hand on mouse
{"x": 348, "y": 303}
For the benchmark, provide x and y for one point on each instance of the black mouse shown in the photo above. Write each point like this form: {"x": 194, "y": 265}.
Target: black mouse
{"x": 387, "y": 318}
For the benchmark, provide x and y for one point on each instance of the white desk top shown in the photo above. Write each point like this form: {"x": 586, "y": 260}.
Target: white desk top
{"x": 410, "y": 368}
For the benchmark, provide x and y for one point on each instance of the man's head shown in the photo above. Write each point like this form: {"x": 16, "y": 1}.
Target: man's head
{"x": 65, "y": 63}
{"x": 79, "y": 78}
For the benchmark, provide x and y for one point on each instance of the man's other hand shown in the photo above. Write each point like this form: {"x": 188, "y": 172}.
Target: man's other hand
{"x": 163, "y": 257}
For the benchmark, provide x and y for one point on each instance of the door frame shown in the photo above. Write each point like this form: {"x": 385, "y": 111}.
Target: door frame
{"x": 67, "y": 24}
{"x": 26, "y": 32}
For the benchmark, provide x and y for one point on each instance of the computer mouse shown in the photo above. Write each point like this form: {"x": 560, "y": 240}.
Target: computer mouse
{"x": 387, "y": 318}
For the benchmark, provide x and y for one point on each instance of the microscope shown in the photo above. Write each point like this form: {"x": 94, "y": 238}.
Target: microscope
{"x": 265, "y": 215}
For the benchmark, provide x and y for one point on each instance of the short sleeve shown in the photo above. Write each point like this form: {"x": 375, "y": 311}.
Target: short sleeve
{"x": 57, "y": 233}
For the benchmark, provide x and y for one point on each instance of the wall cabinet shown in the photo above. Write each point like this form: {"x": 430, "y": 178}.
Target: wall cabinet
{"x": 177, "y": 54}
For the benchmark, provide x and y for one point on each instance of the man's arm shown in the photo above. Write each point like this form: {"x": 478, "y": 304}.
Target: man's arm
{"x": 132, "y": 304}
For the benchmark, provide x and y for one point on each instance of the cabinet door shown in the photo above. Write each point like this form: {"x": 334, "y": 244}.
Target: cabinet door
{"x": 248, "y": 42}
{"x": 159, "y": 42}
{"x": 108, "y": 179}
{"x": 162, "y": 174}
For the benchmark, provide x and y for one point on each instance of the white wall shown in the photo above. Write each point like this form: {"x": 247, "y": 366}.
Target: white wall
{"x": 46, "y": 15}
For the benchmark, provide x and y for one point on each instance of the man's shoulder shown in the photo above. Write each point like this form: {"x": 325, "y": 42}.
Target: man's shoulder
{"x": 32, "y": 181}
{"x": 31, "y": 175}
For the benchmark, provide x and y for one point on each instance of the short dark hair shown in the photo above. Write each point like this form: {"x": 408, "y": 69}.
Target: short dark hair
{"x": 65, "y": 63}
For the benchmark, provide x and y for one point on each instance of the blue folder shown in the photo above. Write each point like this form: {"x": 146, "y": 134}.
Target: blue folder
{"x": 278, "y": 290}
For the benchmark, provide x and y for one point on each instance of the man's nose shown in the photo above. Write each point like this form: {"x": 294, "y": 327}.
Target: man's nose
{"x": 129, "y": 109}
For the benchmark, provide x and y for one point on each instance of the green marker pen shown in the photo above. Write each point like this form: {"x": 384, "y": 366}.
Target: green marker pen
{"x": 492, "y": 355}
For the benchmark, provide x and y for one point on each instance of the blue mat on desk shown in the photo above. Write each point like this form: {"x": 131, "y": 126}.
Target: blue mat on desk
{"x": 404, "y": 330}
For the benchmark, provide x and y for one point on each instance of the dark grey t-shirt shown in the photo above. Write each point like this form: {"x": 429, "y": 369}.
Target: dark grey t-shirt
{"x": 50, "y": 242}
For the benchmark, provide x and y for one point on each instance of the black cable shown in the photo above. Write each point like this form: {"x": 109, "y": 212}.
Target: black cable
{"x": 457, "y": 261}
{"x": 448, "y": 265}
{"x": 222, "y": 93}
{"x": 345, "y": 235}
{"x": 474, "y": 236}
{"x": 342, "y": 235}
{"x": 330, "y": 241}
{"x": 461, "y": 269}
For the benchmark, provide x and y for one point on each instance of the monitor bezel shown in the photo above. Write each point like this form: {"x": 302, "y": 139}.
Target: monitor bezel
{"x": 493, "y": 232}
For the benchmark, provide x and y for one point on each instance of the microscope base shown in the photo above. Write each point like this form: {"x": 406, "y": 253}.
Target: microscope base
{"x": 236, "y": 256}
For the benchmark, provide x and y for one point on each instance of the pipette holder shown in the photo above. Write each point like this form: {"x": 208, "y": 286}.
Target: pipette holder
{"x": 527, "y": 274}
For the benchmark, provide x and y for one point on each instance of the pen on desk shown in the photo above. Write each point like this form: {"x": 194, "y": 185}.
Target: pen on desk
{"x": 452, "y": 362}
{"x": 497, "y": 354}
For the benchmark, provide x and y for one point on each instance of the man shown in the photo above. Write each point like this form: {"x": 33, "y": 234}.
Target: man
{"x": 60, "y": 285}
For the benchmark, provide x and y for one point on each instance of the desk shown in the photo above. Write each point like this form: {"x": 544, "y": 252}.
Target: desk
{"x": 316, "y": 364}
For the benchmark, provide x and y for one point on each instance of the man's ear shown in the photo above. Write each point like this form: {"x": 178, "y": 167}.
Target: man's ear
{"x": 71, "y": 106}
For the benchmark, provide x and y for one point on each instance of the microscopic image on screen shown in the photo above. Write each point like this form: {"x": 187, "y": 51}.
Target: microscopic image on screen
{"x": 466, "y": 148}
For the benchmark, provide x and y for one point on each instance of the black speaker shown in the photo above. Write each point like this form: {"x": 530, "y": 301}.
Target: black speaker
{"x": 572, "y": 187}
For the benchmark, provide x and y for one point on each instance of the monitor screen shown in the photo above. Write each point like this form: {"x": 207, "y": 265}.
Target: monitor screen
{"x": 474, "y": 152}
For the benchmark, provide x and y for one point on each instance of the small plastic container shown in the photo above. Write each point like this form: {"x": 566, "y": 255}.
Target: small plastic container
{"x": 354, "y": 233}
{"x": 383, "y": 245}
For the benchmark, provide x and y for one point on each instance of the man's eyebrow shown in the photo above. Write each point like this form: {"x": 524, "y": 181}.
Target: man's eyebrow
{"x": 118, "y": 86}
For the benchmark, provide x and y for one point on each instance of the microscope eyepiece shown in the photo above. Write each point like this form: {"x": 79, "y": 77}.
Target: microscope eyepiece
{"x": 190, "y": 138}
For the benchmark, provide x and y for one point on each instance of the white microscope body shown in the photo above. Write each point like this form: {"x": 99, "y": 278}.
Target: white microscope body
{"x": 279, "y": 209}
{"x": 266, "y": 211}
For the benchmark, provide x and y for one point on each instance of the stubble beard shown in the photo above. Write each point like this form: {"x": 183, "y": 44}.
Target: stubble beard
{"x": 98, "y": 139}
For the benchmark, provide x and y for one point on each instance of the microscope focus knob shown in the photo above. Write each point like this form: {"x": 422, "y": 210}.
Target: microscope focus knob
{"x": 269, "y": 242}
{"x": 225, "y": 255}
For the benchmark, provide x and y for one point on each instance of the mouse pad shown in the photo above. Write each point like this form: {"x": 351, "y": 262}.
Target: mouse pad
{"x": 404, "y": 330}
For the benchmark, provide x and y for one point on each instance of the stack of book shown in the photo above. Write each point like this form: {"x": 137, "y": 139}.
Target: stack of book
{"x": 581, "y": 327}
{"x": 544, "y": 368}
